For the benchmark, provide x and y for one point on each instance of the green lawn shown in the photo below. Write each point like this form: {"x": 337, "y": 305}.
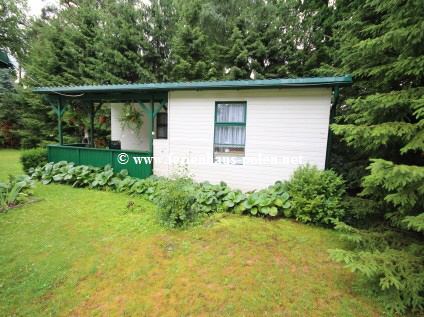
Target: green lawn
{"x": 9, "y": 164}
{"x": 82, "y": 252}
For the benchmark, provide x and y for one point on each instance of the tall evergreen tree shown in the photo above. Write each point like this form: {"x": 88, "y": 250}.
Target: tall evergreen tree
{"x": 192, "y": 55}
{"x": 160, "y": 24}
{"x": 123, "y": 44}
{"x": 238, "y": 55}
{"x": 382, "y": 44}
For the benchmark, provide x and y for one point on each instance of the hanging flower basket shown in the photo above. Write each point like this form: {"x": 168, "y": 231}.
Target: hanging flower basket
{"x": 102, "y": 119}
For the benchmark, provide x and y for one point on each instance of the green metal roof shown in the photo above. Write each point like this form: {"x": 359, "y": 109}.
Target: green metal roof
{"x": 201, "y": 85}
{"x": 4, "y": 60}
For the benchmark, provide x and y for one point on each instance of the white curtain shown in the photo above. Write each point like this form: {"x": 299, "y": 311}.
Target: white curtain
{"x": 233, "y": 112}
{"x": 230, "y": 135}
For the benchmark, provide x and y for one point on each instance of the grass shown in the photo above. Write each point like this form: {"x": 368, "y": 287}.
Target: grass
{"x": 9, "y": 164}
{"x": 82, "y": 252}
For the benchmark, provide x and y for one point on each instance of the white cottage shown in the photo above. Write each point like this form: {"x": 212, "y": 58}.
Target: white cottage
{"x": 248, "y": 133}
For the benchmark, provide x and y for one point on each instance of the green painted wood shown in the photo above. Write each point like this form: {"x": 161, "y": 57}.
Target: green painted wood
{"x": 126, "y": 96}
{"x": 91, "y": 109}
{"x": 162, "y": 104}
{"x": 102, "y": 157}
{"x": 152, "y": 118}
{"x": 59, "y": 121}
{"x": 228, "y": 84}
{"x": 335, "y": 100}
{"x": 4, "y": 60}
{"x": 143, "y": 170}
{"x": 142, "y": 105}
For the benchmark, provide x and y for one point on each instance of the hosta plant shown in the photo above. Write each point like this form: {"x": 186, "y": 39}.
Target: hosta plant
{"x": 272, "y": 201}
{"x": 15, "y": 191}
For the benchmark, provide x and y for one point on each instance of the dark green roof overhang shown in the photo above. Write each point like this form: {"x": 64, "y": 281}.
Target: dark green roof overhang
{"x": 4, "y": 60}
{"x": 200, "y": 85}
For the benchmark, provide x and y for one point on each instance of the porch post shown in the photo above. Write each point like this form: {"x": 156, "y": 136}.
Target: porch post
{"x": 59, "y": 120}
{"x": 330, "y": 133}
{"x": 152, "y": 117}
{"x": 91, "y": 109}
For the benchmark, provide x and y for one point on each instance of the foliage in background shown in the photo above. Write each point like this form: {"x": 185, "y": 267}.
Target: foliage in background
{"x": 33, "y": 158}
{"x": 317, "y": 195}
{"x": 382, "y": 45}
{"x": 115, "y": 42}
{"x": 9, "y": 116}
{"x": 12, "y": 27}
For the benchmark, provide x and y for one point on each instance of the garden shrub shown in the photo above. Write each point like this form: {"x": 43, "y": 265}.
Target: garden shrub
{"x": 311, "y": 195}
{"x": 33, "y": 158}
{"x": 209, "y": 198}
{"x": 204, "y": 197}
{"x": 316, "y": 195}
{"x": 272, "y": 201}
{"x": 175, "y": 199}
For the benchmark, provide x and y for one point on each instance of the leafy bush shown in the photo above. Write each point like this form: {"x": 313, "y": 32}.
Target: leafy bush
{"x": 175, "y": 200}
{"x": 316, "y": 195}
{"x": 209, "y": 198}
{"x": 33, "y": 158}
{"x": 272, "y": 201}
{"x": 15, "y": 191}
{"x": 204, "y": 197}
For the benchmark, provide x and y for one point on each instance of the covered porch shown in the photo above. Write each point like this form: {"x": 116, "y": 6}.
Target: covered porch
{"x": 90, "y": 99}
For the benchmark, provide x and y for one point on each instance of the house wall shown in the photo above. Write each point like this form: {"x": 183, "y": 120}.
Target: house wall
{"x": 280, "y": 123}
{"x": 130, "y": 140}
{"x": 161, "y": 149}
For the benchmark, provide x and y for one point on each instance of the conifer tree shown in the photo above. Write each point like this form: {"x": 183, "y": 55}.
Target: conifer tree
{"x": 160, "y": 21}
{"x": 193, "y": 57}
{"x": 382, "y": 45}
{"x": 238, "y": 55}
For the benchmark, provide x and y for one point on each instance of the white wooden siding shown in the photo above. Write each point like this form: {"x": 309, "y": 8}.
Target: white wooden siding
{"x": 279, "y": 123}
{"x": 130, "y": 140}
{"x": 160, "y": 149}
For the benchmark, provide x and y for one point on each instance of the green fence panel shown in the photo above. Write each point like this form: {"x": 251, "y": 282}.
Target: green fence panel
{"x": 57, "y": 154}
{"x": 94, "y": 157}
{"x": 136, "y": 162}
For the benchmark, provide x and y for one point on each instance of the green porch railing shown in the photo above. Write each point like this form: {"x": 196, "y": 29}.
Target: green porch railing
{"x": 101, "y": 157}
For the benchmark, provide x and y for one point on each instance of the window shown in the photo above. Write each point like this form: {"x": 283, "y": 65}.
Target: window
{"x": 230, "y": 132}
{"x": 162, "y": 125}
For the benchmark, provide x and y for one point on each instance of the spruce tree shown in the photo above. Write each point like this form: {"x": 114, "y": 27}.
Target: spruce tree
{"x": 382, "y": 45}
{"x": 193, "y": 57}
{"x": 159, "y": 19}
{"x": 238, "y": 54}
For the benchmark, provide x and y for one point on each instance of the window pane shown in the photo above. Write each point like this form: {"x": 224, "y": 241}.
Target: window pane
{"x": 162, "y": 118}
{"x": 233, "y": 112}
{"x": 230, "y": 135}
{"x": 229, "y": 154}
{"x": 162, "y": 132}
